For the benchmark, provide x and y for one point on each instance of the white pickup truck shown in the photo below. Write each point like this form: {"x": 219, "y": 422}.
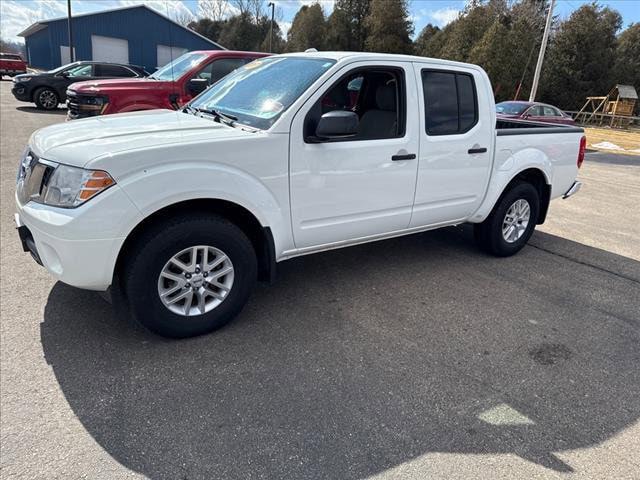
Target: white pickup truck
{"x": 289, "y": 155}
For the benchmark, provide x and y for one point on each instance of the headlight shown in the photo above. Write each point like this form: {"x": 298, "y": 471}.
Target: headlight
{"x": 23, "y": 79}
{"x": 71, "y": 186}
{"x": 58, "y": 185}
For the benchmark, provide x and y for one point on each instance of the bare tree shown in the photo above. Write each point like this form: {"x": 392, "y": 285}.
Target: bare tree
{"x": 215, "y": 10}
{"x": 183, "y": 17}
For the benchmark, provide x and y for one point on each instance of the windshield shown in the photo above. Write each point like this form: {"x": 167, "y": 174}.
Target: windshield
{"x": 511, "y": 108}
{"x": 174, "y": 70}
{"x": 259, "y": 92}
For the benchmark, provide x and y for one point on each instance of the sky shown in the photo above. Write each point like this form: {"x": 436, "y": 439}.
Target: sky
{"x": 16, "y": 15}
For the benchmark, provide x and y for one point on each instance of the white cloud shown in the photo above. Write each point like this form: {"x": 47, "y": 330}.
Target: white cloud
{"x": 284, "y": 28}
{"x": 442, "y": 16}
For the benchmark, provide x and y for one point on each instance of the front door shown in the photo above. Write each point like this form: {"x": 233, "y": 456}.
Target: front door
{"x": 359, "y": 186}
{"x": 456, "y": 144}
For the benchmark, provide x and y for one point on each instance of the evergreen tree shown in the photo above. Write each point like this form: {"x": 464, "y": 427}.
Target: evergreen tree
{"x": 389, "y": 27}
{"x": 627, "y": 66}
{"x": 308, "y": 29}
{"x": 426, "y": 40}
{"x": 346, "y": 25}
{"x": 580, "y": 57}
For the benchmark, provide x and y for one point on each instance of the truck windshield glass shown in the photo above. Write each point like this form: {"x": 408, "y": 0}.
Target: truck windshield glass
{"x": 259, "y": 92}
{"x": 511, "y": 108}
{"x": 174, "y": 70}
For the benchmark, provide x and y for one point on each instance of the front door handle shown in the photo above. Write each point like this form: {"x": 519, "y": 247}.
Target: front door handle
{"x": 471, "y": 151}
{"x": 406, "y": 156}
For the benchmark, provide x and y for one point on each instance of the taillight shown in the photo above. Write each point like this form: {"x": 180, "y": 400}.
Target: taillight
{"x": 583, "y": 147}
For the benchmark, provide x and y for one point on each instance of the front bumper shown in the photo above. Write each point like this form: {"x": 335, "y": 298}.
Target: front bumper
{"x": 575, "y": 188}
{"x": 21, "y": 92}
{"x": 66, "y": 241}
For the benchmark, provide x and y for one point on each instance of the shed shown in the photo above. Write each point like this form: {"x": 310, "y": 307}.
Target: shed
{"x": 137, "y": 35}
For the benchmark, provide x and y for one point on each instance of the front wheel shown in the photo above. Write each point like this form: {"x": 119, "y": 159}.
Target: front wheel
{"x": 46, "y": 99}
{"x": 190, "y": 275}
{"x": 511, "y": 223}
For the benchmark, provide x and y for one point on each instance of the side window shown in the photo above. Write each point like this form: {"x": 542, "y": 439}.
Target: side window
{"x": 80, "y": 71}
{"x": 220, "y": 68}
{"x": 376, "y": 95}
{"x": 550, "y": 112}
{"x": 451, "y": 106}
{"x": 535, "y": 111}
{"x": 113, "y": 71}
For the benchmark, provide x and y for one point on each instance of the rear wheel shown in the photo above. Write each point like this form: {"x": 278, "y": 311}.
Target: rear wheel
{"x": 511, "y": 223}
{"x": 190, "y": 276}
{"x": 46, "y": 99}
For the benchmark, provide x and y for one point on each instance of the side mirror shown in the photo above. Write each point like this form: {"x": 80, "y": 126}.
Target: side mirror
{"x": 197, "y": 85}
{"x": 337, "y": 124}
{"x": 65, "y": 74}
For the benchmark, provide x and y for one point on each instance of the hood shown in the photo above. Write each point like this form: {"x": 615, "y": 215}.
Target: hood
{"x": 77, "y": 143}
{"x": 116, "y": 84}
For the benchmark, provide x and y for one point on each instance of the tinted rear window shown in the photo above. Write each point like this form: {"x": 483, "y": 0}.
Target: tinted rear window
{"x": 450, "y": 102}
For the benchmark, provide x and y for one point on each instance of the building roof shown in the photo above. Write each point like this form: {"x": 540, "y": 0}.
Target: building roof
{"x": 627, "y": 91}
{"x": 37, "y": 26}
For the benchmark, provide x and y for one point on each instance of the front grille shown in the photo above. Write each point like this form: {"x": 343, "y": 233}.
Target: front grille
{"x": 33, "y": 176}
{"x": 81, "y": 106}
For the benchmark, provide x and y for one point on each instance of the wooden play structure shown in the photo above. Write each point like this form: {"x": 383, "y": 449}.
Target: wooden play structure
{"x": 616, "y": 108}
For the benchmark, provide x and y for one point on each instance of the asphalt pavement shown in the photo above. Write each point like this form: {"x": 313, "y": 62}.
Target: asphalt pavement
{"x": 413, "y": 358}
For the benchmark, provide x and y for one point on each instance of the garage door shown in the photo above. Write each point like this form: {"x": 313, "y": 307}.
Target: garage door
{"x": 167, "y": 54}
{"x": 108, "y": 49}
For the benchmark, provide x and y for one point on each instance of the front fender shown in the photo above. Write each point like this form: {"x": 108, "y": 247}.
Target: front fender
{"x": 153, "y": 189}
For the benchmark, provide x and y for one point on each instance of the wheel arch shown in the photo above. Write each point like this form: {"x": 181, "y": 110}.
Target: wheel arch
{"x": 537, "y": 178}
{"x": 260, "y": 236}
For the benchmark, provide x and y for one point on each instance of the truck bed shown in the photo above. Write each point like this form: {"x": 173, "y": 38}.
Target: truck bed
{"x": 525, "y": 127}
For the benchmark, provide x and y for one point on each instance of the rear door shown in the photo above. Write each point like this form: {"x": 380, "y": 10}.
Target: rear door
{"x": 456, "y": 144}
{"x": 360, "y": 186}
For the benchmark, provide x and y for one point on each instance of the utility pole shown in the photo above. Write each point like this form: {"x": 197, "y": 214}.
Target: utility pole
{"x": 71, "y": 53}
{"x": 543, "y": 47}
{"x": 273, "y": 8}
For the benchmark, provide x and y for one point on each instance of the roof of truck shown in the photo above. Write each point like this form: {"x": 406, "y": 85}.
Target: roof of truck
{"x": 378, "y": 56}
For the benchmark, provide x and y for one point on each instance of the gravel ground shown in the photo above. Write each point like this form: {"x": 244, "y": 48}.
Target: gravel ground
{"x": 412, "y": 358}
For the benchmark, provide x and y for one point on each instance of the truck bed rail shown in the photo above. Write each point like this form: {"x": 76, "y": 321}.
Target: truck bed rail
{"x": 525, "y": 127}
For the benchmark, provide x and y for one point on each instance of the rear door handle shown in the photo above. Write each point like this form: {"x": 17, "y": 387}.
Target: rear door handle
{"x": 406, "y": 156}
{"x": 471, "y": 151}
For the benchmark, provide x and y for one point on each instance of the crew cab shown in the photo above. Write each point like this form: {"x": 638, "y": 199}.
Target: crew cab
{"x": 169, "y": 87}
{"x": 181, "y": 211}
{"x": 12, "y": 64}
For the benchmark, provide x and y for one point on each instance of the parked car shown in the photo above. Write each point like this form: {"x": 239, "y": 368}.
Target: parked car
{"x": 181, "y": 211}
{"x": 169, "y": 87}
{"x": 48, "y": 89}
{"x": 12, "y": 64}
{"x": 534, "y": 112}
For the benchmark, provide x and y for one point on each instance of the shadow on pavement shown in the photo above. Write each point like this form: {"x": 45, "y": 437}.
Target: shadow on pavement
{"x": 359, "y": 360}
{"x": 614, "y": 158}
{"x": 57, "y": 111}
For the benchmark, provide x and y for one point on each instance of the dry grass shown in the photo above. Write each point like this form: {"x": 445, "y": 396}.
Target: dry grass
{"x": 627, "y": 140}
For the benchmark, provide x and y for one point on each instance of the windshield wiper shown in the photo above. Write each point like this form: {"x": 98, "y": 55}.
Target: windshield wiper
{"x": 217, "y": 115}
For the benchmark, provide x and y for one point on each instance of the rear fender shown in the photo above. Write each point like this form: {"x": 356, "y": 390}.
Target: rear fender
{"x": 509, "y": 165}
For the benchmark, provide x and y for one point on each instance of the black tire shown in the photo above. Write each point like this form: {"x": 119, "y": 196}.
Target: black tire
{"x": 38, "y": 99}
{"x": 158, "y": 244}
{"x": 488, "y": 234}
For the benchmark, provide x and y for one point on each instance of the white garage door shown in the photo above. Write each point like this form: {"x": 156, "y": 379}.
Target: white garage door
{"x": 65, "y": 57}
{"x": 167, "y": 54}
{"x": 108, "y": 49}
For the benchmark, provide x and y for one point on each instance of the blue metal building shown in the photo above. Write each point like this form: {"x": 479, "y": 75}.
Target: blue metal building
{"x": 137, "y": 35}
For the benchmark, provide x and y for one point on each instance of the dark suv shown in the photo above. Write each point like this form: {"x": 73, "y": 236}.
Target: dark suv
{"x": 48, "y": 89}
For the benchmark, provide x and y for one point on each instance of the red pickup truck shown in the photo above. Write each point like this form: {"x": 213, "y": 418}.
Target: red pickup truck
{"x": 169, "y": 87}
{"x": 12, "y": 64}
